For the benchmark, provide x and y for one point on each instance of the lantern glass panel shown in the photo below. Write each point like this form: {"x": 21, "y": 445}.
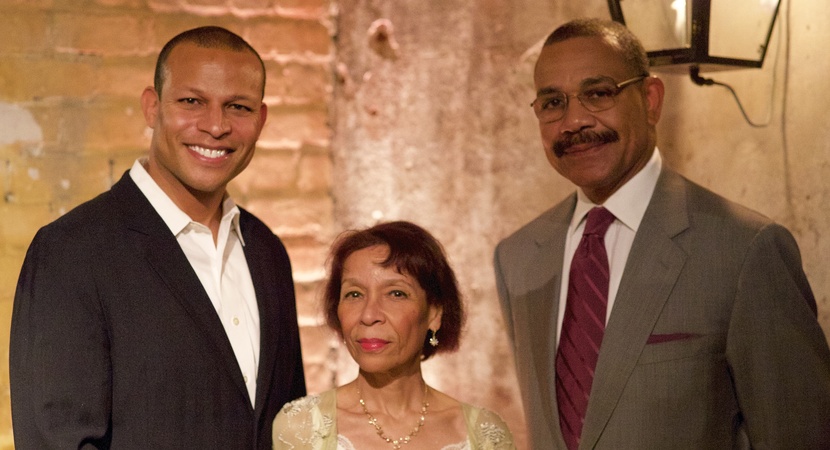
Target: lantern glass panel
{"x": 738, "y": 28}
{"x": 660, "y": 24}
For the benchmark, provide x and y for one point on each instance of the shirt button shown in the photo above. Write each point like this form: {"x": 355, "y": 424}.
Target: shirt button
{"x": 245, "y": 377}
{"x": 236, "y": 320}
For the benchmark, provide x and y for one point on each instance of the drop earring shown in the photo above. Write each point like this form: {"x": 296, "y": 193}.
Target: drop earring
{"x": 433, "y": 340}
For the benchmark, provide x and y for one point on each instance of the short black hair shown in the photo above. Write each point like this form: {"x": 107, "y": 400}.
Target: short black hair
{"x": 614, "y": 33}
{"x": 205, "y": 37}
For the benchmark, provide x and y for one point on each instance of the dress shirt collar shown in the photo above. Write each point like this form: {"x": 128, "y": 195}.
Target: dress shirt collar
{"x": 176, "y": 219}
{"x": 630, "y": 201}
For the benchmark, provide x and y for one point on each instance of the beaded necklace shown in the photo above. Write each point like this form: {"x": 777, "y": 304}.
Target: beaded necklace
{"x": 396, "y": 443}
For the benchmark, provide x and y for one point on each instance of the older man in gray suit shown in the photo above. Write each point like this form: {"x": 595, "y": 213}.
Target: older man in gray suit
{"x": 688, "y": 323}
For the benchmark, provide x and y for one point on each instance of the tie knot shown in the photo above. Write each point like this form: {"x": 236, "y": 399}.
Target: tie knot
{"x": 599, "y": 219}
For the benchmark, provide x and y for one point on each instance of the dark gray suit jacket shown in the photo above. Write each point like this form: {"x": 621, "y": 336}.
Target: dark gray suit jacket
{"x": 115, "y": 344}
{"x": 713, "y": 341}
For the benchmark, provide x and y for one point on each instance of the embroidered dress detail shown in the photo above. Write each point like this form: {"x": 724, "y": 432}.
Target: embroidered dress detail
{"x": 310, "y": 423}
{"x": 343, "y": 443}
{"x": 491, "y": 432}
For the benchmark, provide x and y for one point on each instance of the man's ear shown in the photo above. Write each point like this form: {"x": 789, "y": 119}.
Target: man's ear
{"x": 150, "y": 106}
{"x": 263, "y": 113}
{"x": 654, "y": 98}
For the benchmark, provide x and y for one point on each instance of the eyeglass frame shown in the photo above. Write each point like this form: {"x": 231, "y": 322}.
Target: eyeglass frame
{"x": 618, "y": 88}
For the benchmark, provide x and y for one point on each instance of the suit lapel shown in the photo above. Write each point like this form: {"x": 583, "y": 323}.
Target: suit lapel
{"x": 651, "y": 271}
{"x": 545, "y": 271}
{"x": 255, "y": 255}
{"x": 165, "y": 257}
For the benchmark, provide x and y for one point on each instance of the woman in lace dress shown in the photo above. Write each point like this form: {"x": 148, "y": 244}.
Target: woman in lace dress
{"x": 394, "y": 300}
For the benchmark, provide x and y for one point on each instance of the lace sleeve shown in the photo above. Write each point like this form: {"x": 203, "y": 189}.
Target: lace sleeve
{"x": 487, "y": 430}
{"x": 303, "y": 424}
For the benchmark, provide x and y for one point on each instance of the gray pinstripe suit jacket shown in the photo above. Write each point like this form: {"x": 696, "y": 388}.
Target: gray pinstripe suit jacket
{"x": 713, "y": 341}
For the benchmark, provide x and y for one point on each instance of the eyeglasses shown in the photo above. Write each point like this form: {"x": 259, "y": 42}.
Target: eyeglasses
{"x": 598, "y": 96}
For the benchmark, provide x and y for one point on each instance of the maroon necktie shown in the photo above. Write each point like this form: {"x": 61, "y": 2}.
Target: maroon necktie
{"x": 583, "y": 325}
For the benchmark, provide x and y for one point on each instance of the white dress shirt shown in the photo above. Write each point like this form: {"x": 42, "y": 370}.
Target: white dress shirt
{"x": 221, "y": 268}
{"x": 628, "y": 205}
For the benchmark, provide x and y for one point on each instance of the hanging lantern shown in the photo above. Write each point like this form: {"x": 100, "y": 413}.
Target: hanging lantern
{"x": 708, "y": 35}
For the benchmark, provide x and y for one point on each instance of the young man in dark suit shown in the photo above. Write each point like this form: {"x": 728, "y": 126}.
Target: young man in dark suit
{"x": 160, "y": 314}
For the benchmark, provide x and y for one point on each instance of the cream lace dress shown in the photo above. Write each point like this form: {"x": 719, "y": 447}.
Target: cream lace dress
{"x": 310, "y": 424}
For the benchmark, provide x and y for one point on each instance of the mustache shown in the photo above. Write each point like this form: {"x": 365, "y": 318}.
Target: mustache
{"x": 584, "y": 137}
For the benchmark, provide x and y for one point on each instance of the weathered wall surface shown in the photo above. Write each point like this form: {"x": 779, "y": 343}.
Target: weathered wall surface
{"x": 433, "y": 126}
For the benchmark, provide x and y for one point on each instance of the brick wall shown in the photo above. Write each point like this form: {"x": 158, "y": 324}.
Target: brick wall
{"x": 70, "y": 124}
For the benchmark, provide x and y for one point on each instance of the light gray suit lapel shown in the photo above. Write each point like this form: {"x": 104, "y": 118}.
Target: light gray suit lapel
{"x": 543, "y": 306}
{"x": 651, "y": 271}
